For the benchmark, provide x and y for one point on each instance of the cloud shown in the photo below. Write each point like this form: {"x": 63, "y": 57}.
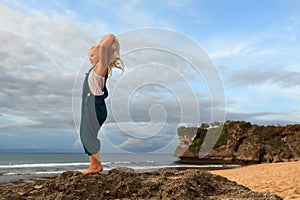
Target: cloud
{"x": 246, "y": 47}
{"x": 131, "y": 15}
{"x": 40, "y": 56}
{"x": 138, "y": 146}
{"x": 273, "y": 75}
{"x": 260, "y": 73}
{"x": 157, "y": 74}
{"x": 52, "y": 38}
{"x": 238, "y": 49}
{"x": 133, "y": 140}
{"x": 43, "y": 51}
{"x": 263, "y": 118}
{"x": 176, "y": 5}
{"x": 41, "y": 59}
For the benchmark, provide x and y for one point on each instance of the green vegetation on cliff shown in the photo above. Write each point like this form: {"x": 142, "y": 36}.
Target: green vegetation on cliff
{"x": 198, "y": 140}
{"x": 239, "y": 140}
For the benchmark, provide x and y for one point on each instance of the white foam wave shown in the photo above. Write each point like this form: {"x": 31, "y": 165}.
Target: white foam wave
{"x": 39, "y": 172}
{"x": 45, "y": 165}
{"x": 32, "y": 173}
{"x": 106, "y": 169}
{"x": 147, "y": 168}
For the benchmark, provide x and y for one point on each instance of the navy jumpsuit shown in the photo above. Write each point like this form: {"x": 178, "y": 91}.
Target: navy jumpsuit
{"x": 93, "y": 115}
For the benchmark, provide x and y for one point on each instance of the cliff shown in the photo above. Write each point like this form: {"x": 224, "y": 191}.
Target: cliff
{"x": 240, "y": 142}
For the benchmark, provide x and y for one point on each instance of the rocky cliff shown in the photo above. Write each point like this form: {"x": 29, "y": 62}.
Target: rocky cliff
{"x": 240, "y": 142}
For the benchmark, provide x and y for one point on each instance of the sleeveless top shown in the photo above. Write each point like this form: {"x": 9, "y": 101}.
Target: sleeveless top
{"x": 96, "y": 83}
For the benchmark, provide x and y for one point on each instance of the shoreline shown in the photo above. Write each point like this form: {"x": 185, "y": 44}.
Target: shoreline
{"x": 210, "y": 161}
{"x": 19, "y": 180}
{"x": 125, "y": 184}
{"x": 281, "y": 178}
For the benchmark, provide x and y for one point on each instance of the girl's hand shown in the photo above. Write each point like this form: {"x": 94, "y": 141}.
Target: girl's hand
{"x": 108, "y": 40}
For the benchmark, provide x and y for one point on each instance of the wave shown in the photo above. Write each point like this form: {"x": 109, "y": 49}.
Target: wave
{"x": 129, "y": 162}
{"x": 146, "y": 164}
{"x": 107, "y": 168}
{"x": 145, "y": 168}
{"x": 31, "y": 173}
{"x": 49, "y": 165}
{"x": 46, "y": 165}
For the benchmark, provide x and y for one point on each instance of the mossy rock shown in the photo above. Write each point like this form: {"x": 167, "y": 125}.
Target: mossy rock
{"x": 195, "y": 147}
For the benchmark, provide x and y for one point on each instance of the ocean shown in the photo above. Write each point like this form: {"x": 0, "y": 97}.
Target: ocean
{"x": 18, "y": 168}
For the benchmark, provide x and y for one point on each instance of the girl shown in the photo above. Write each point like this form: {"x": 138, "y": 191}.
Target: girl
{"x": 103, "y": 57}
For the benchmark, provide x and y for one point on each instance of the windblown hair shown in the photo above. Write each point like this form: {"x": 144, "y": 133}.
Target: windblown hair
{"x": 116, "y": 62}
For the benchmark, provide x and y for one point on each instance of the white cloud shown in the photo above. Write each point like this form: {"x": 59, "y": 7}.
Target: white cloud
{"x": 42, "y": 50}
{"x": 40, "y": 55}
{"x": 264, "y": 98}
{"x": 132, "y": 141}
{"x": 41, "y": 60}
{"x": 60, "y": 39}
{"x": 276, "y": 75}
{"x": 133, "y": 16}
{"x": 175, "y": 5}
{"x": 138, "y": 146}
{"x": 235, "y": 50}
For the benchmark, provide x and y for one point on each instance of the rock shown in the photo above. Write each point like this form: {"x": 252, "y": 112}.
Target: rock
{"x": 295, "y": 149}
{"x": 248, "y": 152}
{"x": 124, "y": 169}
{"x": 186, "y": 137}
{"x": 222, "y": 152}
{"x": 241, "y": 142}
{"x": 159, "y": 184}
{"x": 277, "y": 158}
{"x": 268, "y": 158}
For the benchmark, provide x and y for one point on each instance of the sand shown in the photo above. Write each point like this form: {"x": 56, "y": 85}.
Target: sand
{"x": 282, "y": 179}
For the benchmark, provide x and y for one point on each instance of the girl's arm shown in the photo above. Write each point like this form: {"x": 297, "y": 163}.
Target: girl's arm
{"x": 104, "y": 47}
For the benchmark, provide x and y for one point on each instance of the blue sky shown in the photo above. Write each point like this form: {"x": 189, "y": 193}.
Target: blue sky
{"x": 253, "y": 44}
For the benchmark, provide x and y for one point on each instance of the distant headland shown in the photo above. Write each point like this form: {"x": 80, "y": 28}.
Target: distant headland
{"x": 239, "y": 142}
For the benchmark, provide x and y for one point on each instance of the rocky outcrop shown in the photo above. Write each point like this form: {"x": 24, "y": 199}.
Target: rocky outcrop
{"x": 243, "y": 143}
{"x": 161, "y": 184}
{"x": 186, "y": 138}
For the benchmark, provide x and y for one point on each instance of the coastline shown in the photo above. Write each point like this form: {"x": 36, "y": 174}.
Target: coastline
{"x": 19, "y": 180}
{"x": 23, "y": 168}
{"x": 211, "y": 161}
{"x": 279, "y": 174}
{"x": 166, "y": 183}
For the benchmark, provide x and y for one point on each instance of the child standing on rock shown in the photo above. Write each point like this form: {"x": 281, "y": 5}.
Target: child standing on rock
{"x": 103, "y": 57}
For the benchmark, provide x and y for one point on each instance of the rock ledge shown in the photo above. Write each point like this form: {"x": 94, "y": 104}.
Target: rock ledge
{"x": 159, "y": 184}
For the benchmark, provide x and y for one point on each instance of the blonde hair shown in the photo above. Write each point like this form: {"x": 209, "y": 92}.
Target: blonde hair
{"x": 116, "y": 62}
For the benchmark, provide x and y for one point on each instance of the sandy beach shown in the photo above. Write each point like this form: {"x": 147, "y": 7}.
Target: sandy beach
{"x": 282, "y": 179}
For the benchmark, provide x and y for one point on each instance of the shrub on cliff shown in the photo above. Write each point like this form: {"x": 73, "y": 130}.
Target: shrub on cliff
{"x": 242, "y": 141}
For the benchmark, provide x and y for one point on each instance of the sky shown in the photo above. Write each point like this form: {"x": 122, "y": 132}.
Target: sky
{"x": 252, "y": 71}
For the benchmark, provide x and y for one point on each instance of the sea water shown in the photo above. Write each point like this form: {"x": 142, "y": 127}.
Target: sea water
{"x": 26, "y": 167}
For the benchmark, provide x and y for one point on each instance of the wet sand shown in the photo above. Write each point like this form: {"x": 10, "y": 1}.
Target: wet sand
{"x": 282, "y": 179}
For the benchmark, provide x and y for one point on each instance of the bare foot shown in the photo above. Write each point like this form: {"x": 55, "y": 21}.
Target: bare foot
{"x": 93, "y": 170}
